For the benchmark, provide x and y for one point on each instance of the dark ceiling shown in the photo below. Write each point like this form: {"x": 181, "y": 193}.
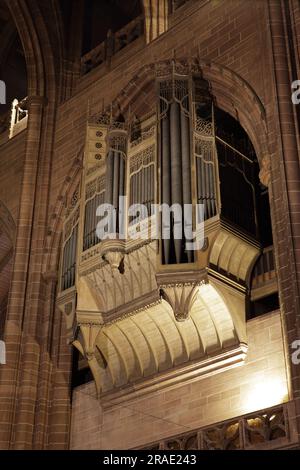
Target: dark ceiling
{"x": 103, "y": 15}
{"x": 95, "y": 19}
{"x": 12, "y": 60}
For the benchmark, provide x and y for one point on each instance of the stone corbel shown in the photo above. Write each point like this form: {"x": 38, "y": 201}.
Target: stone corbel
{"x": 113, "y": 251}
{"x": 114, "y": 258}
{"x": 89, "y": 333}
{"x": 67, "y": 302}
{"x": 181, "y": 298}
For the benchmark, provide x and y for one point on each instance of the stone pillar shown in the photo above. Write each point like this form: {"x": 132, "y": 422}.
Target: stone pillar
{"x": 10, "y": 374}
{"x": 285, "y": 186}
{"x": 34, "y": 333}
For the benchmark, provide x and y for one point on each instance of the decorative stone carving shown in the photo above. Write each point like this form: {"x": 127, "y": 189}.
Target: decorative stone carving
{"x": 114, "y": 258}
{"x": 162, "y": 322}
{"x": 181, "y": 298}
{"x": 66, "y": 303}
{"x": 265, "y": 170}
{"x": 89, "y": 333}
{"x": 126, "y": 274}
{"x": 266, "y": 430}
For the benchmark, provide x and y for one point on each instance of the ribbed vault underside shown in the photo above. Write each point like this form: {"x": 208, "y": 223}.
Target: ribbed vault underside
{"x": 152, "y": 341}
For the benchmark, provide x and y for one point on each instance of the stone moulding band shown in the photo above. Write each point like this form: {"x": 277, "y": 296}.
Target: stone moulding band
{"x": 186, "y": 373}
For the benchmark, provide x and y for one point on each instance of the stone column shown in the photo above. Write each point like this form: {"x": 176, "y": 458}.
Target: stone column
{"x": 10, "y": 374}
{"x": 285, "y": 185}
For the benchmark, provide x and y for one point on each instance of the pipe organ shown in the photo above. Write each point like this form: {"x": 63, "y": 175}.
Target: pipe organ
{"x": 94, "y": 196}
{"x": 115, "y": 171}
{"x": 69, "y": 258}
{"x": 175, "y": 164}
{"x": 142, "y": 171}
{"x": 147, "y": 306}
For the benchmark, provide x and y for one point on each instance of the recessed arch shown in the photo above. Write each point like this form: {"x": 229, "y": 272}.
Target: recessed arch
{"x": 232, "y": 93}
{"x": 43, "y": 47}
{"x": 52, "y": 244}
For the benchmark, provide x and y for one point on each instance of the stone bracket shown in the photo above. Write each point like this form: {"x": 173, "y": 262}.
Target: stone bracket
{"x": 67, "y": 303}
{"x": 86, "y": 347}
{"x": 181, "y": 298}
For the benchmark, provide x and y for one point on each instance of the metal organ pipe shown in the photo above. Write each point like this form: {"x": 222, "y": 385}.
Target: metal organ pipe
{"x": 116, "y": 180}
{"x": 166, "y": 180}
{"x": 186, "y": 168}
{"x": 115, "y": 171}
{"x": 122, "y": 177}
{"x": 176, "y": 188}
{"x": 152, "y": 187}
{"x": 109, "y": 177}
{"x": 68, "y": 262}
{"x": 176, "y": 185}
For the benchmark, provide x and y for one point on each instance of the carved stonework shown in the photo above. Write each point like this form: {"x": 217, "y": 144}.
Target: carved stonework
{"x": 265, "y": 170}
{"x": 266, "y": 430}
{"x": 66, "y": 303}
{"x": 114, "y": 258}
{"x": 87, "y": 347}
{"x": 122, "y": 274}
{"x": 181, "y": 297}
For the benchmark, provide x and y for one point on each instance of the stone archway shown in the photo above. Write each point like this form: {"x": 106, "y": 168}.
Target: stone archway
{"x": 232, "y": 93}
{"x": 29, "y": 322}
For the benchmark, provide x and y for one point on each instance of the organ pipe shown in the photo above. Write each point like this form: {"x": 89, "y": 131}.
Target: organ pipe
{"x": 186, "y": 169}
{"x": 69, "y": 260}
{"x": 109, "y": 178}
{"x": 175, "y": 165}
{"x": 176, "y": 188}
{"x": 166, "y": 181}
{"x": 115, "y": 181}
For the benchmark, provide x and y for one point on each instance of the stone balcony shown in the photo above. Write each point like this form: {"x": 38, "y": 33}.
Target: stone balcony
{"x": 114, "y": 43}
{"x": 146, "y": 324}
{"x": 267, "y": 429}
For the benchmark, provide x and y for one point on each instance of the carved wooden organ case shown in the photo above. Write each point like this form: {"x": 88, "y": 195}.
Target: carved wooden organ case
{"x": 149, "y": 311}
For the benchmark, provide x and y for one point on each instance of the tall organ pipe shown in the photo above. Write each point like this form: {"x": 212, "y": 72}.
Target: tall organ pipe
{"x": 116, "y": 180}
{"x": 186, "y": 170}
{"x": 176, "y": 191}
{"x": 166, "y": 182}
{"x": 109, "y": 178}
{"x": 115, "y": 172}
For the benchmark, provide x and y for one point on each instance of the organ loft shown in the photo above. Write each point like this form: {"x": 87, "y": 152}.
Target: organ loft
{"x": 149, "y": 165}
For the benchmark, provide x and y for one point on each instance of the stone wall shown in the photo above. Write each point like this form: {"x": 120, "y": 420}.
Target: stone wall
{"x": 261, "y": 382}
{"x": 247, "y": 37}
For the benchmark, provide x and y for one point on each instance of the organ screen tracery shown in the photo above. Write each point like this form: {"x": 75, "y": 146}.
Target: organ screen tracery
{"x": 189, "y": 152}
